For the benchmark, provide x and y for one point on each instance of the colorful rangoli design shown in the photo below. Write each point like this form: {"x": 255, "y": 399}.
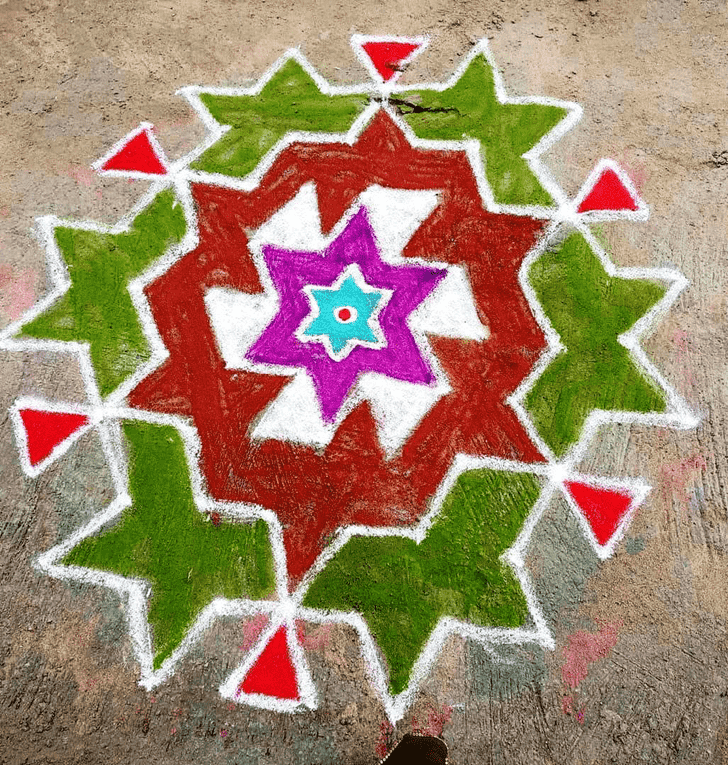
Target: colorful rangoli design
{"x": 340, "y": 358}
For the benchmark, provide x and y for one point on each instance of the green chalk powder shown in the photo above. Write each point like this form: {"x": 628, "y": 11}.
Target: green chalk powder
{"x": 589, "y": 309}
{"x": 164, "y": 539}
{"x": 402, "y": 588}
{"x": 97, "y": 309}
{"x": 470, "y": 109}
{"x": 290, "y": 101}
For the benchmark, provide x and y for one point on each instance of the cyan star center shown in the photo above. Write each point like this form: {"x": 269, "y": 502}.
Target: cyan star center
{"x": 345, "y": 314}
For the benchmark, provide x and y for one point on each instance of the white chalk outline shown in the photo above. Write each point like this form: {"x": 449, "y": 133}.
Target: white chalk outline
{"x": 136, "y": 592}
{"x": 358, "y": 41}
{"x": 472, "y": 146}
{"x": 490, "y": 637}
{"x": 415, "y": 322}
{"x": 216, "y": 130}
{"x": 642, "y": 212}
{"x": 677, "y": 414}
{"x": 286, "y": 608}
{"x": 158, "y": 151}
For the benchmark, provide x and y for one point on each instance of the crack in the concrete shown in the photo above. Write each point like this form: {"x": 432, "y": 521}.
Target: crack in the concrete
{"x": 403, "y": 103}
{"x": 718, "y": 159}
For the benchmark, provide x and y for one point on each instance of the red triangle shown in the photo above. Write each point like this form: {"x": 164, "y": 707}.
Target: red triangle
{"x": 602, "y": 508}
{"x": 45, "y": 430}
{"x": 273, "y": 673}
{"x": 608, "y": 193}
{"x": 136, "y": 155}
{"x": 387, "y": 57}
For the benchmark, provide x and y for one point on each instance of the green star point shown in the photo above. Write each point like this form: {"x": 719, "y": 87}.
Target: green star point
{"x": 97, "y": 308}
{"x": 402, "y": 589}
{"x": 164, "y": 539}
{"x": 590, "y": 310}
{"x": 290, "y": 100}
{"x": 470, "y": 109}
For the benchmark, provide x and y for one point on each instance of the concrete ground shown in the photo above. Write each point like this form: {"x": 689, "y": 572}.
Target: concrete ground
{"x": 640, "y": 670}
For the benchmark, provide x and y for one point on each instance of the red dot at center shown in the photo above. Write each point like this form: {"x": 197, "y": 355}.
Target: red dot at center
{"x": 344, "y": 314}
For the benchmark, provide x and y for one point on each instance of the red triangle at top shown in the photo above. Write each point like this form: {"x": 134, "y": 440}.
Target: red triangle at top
{"x": 604, "y": 509}
{"x": 273, "y": 673}
{"x": 608, "y": 193}
{"x": 387, "y": 57}
{"x": 46, "y": 430}
{"x": 136, "y": 155}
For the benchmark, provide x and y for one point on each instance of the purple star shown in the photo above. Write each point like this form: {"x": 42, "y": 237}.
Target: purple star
{"x": 292, "y": 270}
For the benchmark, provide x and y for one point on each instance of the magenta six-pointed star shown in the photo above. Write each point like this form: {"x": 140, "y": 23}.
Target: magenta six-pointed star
{"x": 293, "y": 271}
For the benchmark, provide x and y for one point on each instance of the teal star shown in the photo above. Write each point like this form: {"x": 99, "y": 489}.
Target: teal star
{"x": 344, "y": 315}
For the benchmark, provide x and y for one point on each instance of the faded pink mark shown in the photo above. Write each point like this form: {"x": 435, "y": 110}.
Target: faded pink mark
{"x": 317, "y": 639}
{"x": 385, "y": 740}
{"x": 677, "y": 475}
{"x": 252, "y": 630}
{"x": 682, "y": 343}
{"x": 86, "y": 635}
{"x": 636, "y": 170}
{"x": 163, "y": 125}
{"x": 436, "y": 721}
{"x": 85, "y": 176}
{"x": 17, "y": 290}
{"x": 4, "y": 211}
{"x": 584, "y": 648}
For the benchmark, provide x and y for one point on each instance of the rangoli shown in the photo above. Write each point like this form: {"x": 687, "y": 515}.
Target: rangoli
{"x": 341, "y": 357}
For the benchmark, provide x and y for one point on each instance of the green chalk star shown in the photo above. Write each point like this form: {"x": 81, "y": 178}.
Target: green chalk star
{"x": 589, "y": 309}
{"x": 97, "y": 308}
{"x": 471, "y": 109}
{"x": 164, "y": 539}
{"x": 402, "y": 589}
{"x": 290, "y": 100}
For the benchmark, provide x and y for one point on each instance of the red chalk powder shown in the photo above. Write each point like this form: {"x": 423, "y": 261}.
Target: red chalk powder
{"x": 136, "y": 156}
{"x": 608, "y": 193}
{"x": 45, "y": 430}
{"x": 273, "y": 673}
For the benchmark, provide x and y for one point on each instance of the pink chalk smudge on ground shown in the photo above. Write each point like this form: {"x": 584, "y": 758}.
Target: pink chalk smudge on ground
{"x": 677, "y": 475}
{"x": 85, "y": 176}
{"x": 385, "y": 740}
{"x": 584, "y": 648}
{"x": 316, "y": 638}
{"x": 252, "y": 630}
{"x": 635, "y": 169}
{"x": 682, "y": 342}
{"x": 17, "y": 290}
{"x": 436, "y": 721}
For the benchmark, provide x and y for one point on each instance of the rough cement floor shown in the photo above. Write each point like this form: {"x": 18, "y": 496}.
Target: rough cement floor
{"x": 651, "y": 76}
